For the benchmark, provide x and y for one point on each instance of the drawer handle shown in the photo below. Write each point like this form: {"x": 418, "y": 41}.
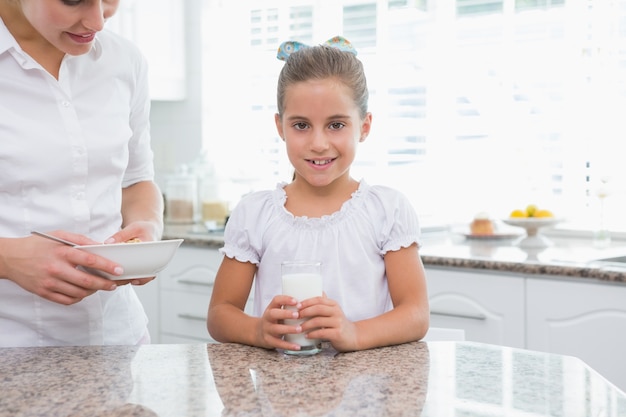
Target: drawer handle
{"x": 191, "y": 317}
{"x": 192, "y": 282}
{"x": 460, "y": 316}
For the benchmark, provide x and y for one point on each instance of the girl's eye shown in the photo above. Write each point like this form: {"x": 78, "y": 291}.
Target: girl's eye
{"x": 336, "y": 125}
{"x": 300, "y": 126}
{"x": 72, "y": 2}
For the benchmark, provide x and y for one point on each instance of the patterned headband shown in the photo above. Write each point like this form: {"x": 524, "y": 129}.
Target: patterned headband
{"x": 289, "y": 47}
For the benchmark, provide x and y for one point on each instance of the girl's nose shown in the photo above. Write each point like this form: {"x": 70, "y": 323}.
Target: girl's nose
{"x": 319, "y": 141}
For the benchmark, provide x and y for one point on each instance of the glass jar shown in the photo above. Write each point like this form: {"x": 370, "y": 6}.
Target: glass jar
{"x": 212, "y": 207}
{"x": 181, "y": 197}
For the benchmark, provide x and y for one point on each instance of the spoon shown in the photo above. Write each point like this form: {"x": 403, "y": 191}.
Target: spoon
{"x": 56, "y": 239}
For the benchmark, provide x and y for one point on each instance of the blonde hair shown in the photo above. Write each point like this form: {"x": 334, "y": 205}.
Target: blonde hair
{"x": 321, "y": 62}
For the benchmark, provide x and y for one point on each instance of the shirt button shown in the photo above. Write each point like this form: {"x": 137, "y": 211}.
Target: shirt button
{"x": 66, "y": 103}
{"x": 80, "y": 196}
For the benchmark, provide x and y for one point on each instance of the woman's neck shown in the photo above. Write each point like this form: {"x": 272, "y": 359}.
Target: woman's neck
{"x": 29, "y": 39}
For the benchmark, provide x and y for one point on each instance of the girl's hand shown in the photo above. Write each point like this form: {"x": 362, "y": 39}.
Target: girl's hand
{"x": 271, "y": 329}
{"x": 327, "y": 321}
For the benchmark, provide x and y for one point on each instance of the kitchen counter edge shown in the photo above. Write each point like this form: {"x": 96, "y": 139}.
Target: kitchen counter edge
{"x": 551, "y": 268}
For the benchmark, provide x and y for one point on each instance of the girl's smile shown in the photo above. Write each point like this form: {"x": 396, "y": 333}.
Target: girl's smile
{"x": 321, "y": 163}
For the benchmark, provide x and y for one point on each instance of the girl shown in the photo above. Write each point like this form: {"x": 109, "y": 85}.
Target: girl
{"x": 365, "y": 236}
{"x": 75, "y": 159}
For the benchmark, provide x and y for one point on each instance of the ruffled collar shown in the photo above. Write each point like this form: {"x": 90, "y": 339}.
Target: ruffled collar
{"x": 356, "y": 200}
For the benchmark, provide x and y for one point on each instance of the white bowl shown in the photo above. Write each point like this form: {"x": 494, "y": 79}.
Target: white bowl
{"x": 139, "y": 260}
{"x": 534, "y": 239}
{"x": 532, "y": 223}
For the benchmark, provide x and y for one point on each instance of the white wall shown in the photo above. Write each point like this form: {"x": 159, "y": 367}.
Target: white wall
{"x": 176, "y": 126}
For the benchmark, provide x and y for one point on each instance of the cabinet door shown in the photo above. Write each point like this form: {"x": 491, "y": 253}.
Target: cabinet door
{"x": 186, "y": 286}
{"x": 184, "y": 314}
{"x": 490, "y": 308}
{"x": 185, "y": 292}
{"x": 192, "y": 269}
{"x": 158, "y": 28}
{"x": 582, "y": 319}
{"x": 149, "y": 296}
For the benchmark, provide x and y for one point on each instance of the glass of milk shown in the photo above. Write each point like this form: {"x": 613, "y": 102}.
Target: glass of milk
{"x": 301, "y": 280}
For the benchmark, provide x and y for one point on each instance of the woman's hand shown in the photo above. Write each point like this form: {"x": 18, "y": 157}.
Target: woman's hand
{"x": 327, "y": 321}
{"x": 49, "y": 269}
{"x": 145, "y": 231}
{"x": 271, "y": 328}
{"x": 142, "y": 213}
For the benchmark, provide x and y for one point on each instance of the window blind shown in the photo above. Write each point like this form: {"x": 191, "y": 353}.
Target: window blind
{"x": 479, "y": 105}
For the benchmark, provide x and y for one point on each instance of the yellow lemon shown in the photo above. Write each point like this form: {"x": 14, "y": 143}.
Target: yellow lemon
{"x": 530, "y": 210}
{"x": 518, "y": 213}
{"x": 543, "y": 213}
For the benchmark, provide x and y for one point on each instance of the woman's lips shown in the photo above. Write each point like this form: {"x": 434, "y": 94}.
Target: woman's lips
{"x": 85, "y": 38}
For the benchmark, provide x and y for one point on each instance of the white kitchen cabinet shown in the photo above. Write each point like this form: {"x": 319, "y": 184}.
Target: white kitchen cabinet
{"x": 149, "y": 296}
{"x": 489, "y": 307}
{"x": 158, "y": 29}
{"x": 184, "y": 313}
{"x": 185, "y": 291}
{"x": 582, "y": 319}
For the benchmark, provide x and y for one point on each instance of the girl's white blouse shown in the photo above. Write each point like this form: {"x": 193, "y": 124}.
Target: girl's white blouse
{"x": 350, "y": 243}
{"x": 67, "y": 147}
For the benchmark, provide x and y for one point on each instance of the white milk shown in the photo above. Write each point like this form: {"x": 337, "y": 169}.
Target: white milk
{"x": 301, "y": 286}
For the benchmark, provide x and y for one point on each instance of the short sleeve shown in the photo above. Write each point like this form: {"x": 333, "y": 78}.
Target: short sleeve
{"x": 140, "y": 165}
{"x": 242, "y": 234}
{"x": 400, "y": 226}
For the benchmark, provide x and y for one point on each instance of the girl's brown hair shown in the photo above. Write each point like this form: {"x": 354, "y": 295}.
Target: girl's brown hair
{"x": 321, "y": 62}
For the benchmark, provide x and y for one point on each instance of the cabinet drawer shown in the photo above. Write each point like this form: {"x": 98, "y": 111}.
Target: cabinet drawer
{"x": 490, "y": 308}
{"x": 184, "y": 314}
{"x": 192, "y": 269}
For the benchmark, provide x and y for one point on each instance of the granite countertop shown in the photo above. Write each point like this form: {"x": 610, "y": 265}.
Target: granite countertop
{"x": 428, "y": 379}
{"x": 572, "y": 257}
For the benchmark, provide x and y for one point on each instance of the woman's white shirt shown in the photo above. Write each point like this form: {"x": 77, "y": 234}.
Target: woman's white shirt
{"x": 67, "y": 148}
{"x": 350, "y": 243}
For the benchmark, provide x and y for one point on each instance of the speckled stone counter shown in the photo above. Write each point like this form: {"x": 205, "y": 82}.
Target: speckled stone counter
{"x": 434, "y": 379}
{"x": 568, "y": 257}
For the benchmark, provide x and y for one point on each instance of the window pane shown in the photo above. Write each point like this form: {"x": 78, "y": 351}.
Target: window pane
{"x": 537, "y": 4}
{"x": 466, "y": 7}
{"x": 359, "y": 22}
{"x": 479, "y": 105}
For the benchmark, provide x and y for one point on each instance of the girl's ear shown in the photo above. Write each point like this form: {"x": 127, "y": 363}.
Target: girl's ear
{"x": 279, "y": 125}
{"x": 366, "y": 125}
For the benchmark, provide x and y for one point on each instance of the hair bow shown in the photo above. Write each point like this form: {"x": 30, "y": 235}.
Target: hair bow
{"x": 288, "y": 47}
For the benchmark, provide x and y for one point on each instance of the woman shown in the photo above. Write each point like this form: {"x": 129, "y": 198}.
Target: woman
{"x": 75, "y": 159}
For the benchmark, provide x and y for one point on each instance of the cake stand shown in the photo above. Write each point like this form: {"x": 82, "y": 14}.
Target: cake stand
{"x": 532, "y": 225}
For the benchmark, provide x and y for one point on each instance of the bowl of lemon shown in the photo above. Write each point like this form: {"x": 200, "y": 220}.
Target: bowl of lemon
{"x": 532, "y": 219}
